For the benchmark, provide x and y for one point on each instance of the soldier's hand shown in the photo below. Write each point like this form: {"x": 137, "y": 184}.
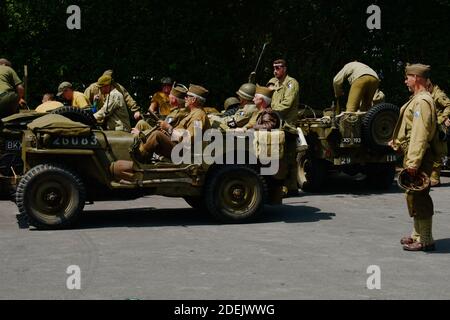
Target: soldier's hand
{"x": 164, "y": 125}
{"x": 412, "y": 171}
{"x": 447, "y": 122}
{"x": 135, "y": 131}
{"x": 137, "y": 115}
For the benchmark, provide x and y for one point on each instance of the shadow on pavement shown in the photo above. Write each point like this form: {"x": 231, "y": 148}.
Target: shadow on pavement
{"x": 442, "y": 246}
{"x": 151, "y": 217}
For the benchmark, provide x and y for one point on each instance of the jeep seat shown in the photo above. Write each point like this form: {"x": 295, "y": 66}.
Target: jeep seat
{"x": 120, "y": 143}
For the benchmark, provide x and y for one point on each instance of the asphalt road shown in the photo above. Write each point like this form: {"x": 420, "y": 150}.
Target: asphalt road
{"x": 314, "y": 246}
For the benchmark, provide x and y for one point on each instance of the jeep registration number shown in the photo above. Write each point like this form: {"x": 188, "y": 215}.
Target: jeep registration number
{"x": 75, "y": 142}
{"x": 351, "y": 140}
{"x": 13, "y": 145}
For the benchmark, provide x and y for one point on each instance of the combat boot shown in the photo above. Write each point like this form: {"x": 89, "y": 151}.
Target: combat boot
{"x": 426, "y": 242}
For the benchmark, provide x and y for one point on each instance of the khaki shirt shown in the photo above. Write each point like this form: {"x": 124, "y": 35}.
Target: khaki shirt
{"x": 351, "y": 71}
{"x": 79, "y": 100}
{"x": 415, "y": 128}
{"x": 114, "y": 112}
{"x": 196, "y": 118}
{"x": 163, "y": 103}
{"x": 285, "y": 99}
{"x": 9, "y": 79}
{"x": 48, "y": 106}
{"x": 94, "y": 89}
{"x": 240, "y": 118}
{"x": 176, "y": 115}
{"x": 442, "y": 103}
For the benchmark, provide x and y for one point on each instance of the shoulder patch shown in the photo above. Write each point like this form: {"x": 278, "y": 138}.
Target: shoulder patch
{"x": 416, "y": 114}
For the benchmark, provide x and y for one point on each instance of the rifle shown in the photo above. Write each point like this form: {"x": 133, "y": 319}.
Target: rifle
{"x": 252, "y": 76}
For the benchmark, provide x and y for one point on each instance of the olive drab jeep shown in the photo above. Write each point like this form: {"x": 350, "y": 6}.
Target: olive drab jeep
{"x": 349, "y": 142}
{"x": 68, "y": 163}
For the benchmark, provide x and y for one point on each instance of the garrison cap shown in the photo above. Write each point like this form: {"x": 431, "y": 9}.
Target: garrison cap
{"x": 108, "y": 72}
{"x": 418, "y": 69}
{"x": 179, "y": 91}
{"x": 264, "y": 91}
{"x": 104, "y": 81}
{"x": 62, "y": 86}
{"x": 197, "y": 91}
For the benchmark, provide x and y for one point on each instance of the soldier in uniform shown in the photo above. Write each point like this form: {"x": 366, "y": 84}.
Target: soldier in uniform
{"x": 246, "y": 110}
{"x": 177, "y": 112}
{"x": 363, "y": 81}
{"x": 114, "y": 112}
{"x": 285, "y": 101}
{"x": 93, "y": 94}
{"x": 74, "y": 98}
{"x": 48, "y": 103}
{"x": 163, "y": 141}
{"x": 265, "y": 118}
{"x": 413, "y": 135}
{"x": 230, "y": 106}
{"x": 11, "y": 89}
{"x": 160, "y": 101}
{"x": 442, "y": 103}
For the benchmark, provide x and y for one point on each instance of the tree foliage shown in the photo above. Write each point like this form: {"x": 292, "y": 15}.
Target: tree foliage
{"x": 216, "y": 44}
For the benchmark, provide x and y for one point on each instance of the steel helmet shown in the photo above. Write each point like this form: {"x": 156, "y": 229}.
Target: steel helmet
{"x": 247, "y": 91}
{"x": 415, "y": 184}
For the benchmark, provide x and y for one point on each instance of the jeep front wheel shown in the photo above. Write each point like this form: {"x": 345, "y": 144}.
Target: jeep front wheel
{"x": 51, "y": 196}
{"x": 235, "y": 194}
{"x": 311, "y": 173}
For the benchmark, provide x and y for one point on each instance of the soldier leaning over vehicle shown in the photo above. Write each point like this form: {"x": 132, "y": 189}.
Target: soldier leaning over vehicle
{"x": 443, "y": 113}
{"x": 73, "y": 98}
{"x": 11, "y": 89}
{"x": 48, "y": 103}
{"x": 93, "y": 93}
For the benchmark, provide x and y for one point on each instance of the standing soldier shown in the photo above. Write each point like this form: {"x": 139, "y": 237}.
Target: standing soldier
{"x": 413, "y": 134}
{"x": 160, "y": 103}
{"x": 363, "y": 81}
{"x": 442, "y": 103}
{"x": 93, "y": 94}
{"x": 285, "y": 101}
{"x": 11, "y": 89}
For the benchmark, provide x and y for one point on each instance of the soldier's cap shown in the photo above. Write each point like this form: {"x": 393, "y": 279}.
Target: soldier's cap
{"x": 280, "y": 63}
{"x": 416, "y": 184}
{"x": 166, "y": 80}
{"x": 231, "y": 101}
{"x": 266, "y": 92}
{"x": 62, "y": 86}
{"x": 418, "y": 69}
{"x": 179, "y": 91}
{"x": 197, "y": 92}
{"x": 104, "y": 81}
{"x": 108, "y": 72}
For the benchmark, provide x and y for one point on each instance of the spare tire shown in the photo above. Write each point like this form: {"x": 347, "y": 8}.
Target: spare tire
{"x": 84, "y": 116}
{"x": 378, "y": 126}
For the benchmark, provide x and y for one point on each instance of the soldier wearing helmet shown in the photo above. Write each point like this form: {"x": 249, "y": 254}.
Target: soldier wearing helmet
{"x": 242, "y": 116}
{"x": 414, "y": 135}
{"x": 160, "y": 103}
{"x": 230, "y": 106}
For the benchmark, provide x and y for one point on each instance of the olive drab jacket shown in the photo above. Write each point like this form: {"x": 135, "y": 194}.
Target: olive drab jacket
{"x": 94, "y": 89}
{"x": 415, "y": 128}
{"x": 442, "y": 104}
{"x": 285, "y": 98}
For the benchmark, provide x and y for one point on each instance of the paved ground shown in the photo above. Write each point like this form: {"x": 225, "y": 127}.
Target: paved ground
{"x": 312, "y": 247}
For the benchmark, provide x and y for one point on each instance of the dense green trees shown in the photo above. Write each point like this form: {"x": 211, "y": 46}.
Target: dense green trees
{"x": 216, "y": 44}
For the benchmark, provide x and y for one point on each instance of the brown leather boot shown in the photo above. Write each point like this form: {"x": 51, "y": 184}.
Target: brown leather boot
{"x": 419, "y": 246}
{"x": 406, "y": 240}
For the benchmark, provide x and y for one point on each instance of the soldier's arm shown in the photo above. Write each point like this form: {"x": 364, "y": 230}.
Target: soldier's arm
{"x": 290, "y": 95}
{"x": 421, "y": 130}
{"x": 269, "y": 121}
{"x": 131, "y": 103}
{"x": 338, "y": 81}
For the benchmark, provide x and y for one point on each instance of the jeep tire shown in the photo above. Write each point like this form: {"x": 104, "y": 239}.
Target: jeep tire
{"x": 378, "y": 126}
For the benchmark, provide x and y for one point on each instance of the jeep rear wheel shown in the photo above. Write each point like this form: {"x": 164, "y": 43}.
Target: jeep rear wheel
{"x": 235, "y": 194}
{"x": 51, "y": 196}
{"x": 378, "y": 125}
{"x": 311, "y": 173}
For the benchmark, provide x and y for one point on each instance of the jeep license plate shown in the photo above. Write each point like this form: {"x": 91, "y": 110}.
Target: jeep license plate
{"x": 75, "y": 142}
{"x": 13, "y": 145}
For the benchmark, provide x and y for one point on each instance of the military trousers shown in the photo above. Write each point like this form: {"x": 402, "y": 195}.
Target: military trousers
{"x": 361, "y": 93}
{"x": 420, "y": 204}
{"x": 9, "y": 104}
{"x": 158, "y": 142}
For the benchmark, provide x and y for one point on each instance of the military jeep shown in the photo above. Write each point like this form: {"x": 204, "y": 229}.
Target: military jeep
{"x": 67, "y": 164}
{"x": 349, "y": 142}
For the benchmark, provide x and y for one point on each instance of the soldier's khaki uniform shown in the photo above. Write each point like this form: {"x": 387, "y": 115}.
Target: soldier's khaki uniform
{"x": 9, "y": 99}
{"x": 363, "y": 84}
{"x": 173, "y": 118}
{"x": 442, "y": 103}
{"x": 285, "y": 101}
{"x": 114, "y": 112}
{"x": 162, "y": 101}
{"x": 48, "y": 106}
{"x": 238, "y": 120}
{"x": 160, "y": 142}
{"x": 94, "y": 89}
{"x": 414, "y": 134}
